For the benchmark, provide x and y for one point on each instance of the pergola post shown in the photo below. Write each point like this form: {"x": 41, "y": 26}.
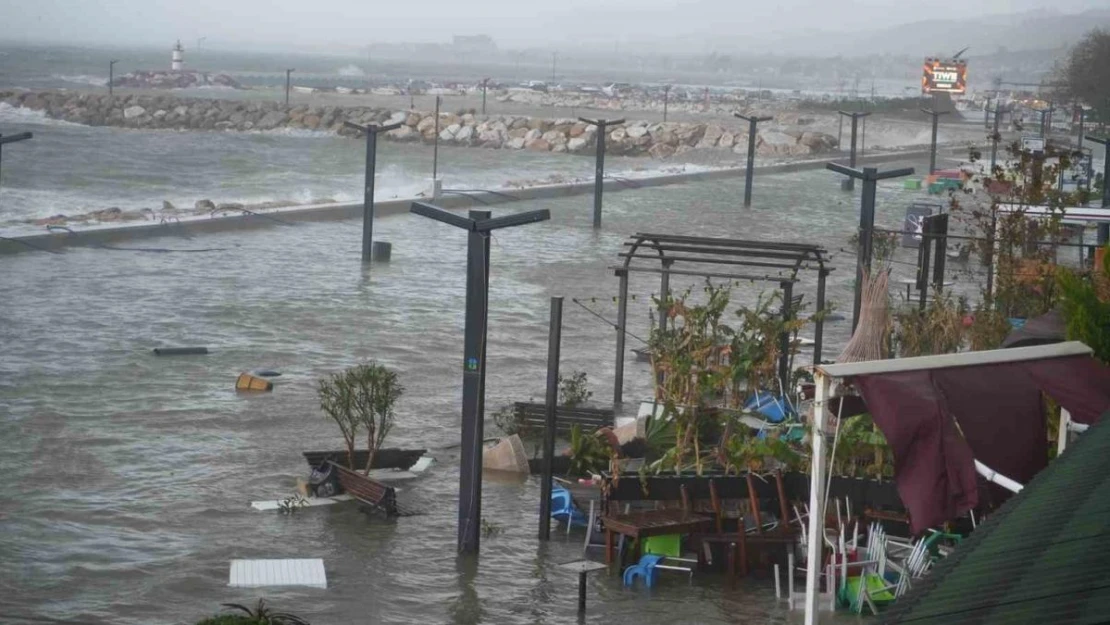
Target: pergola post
{"x": 819, "y": 326}
{"x": 622, "y": 320}
{"x": 815, "y": 539}
{"x": 664, "y": 293}
{"x": 784, "y": 338}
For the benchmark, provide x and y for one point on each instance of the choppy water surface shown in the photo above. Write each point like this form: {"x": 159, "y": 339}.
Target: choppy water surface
{"x": 70, "y": 169}
{"x": 128, "y": 477}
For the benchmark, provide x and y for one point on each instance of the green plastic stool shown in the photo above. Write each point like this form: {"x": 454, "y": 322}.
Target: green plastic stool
{"x": 669, "y": 545}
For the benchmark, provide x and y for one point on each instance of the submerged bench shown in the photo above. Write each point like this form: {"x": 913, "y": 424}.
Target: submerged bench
{"x": 370, "y": 492}
{"x": 589, "y": 419}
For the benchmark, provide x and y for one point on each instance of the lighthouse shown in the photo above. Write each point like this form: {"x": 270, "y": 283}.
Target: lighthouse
{"x": 178, "y": 58}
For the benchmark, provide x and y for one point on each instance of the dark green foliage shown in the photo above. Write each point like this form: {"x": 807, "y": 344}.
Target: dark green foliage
{"x": 260, "y": 614}
{"x": 1086, "y": 311}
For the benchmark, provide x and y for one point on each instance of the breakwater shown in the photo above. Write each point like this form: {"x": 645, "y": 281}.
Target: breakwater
{"x": 464, "y": 127}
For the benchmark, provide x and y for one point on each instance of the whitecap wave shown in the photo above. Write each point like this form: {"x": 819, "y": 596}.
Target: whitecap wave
{"x": 350, "y": 70}
{"x": 82, "y": 79}
{"x": 18, "y": 115}
{"x": 303, "y": 133}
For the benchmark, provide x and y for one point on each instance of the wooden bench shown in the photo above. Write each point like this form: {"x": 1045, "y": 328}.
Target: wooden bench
{"x": 368, "y": 491}
{"x": 589, "y": 419}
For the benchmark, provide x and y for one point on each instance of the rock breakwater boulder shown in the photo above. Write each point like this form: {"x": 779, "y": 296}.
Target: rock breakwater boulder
{"x": 633, "y": 138}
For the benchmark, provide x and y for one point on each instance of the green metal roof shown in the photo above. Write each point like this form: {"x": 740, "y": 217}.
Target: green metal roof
{"x": 1043, "y": 557}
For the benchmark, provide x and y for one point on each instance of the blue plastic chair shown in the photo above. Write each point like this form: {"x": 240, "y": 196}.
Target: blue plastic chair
{"x": 772, "y": 408}
{"x": 563, "y": 510}
{"x": 645, "y": 570}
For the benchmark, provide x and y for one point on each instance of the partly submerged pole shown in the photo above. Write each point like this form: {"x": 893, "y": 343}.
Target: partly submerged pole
{"x": 288, "y": 85}
{"x": 371, "y": 131}
{"x": 870, "y": 176}
{"x": 599, "y": 162}
{"x": 933, "y": 145}
{"x": 752, "y": 121}
{"x": 478, "y": 226}
{"x": 554, "y": 336}
{"x": 111, "y": 75}
{"x": 435, "y": 149}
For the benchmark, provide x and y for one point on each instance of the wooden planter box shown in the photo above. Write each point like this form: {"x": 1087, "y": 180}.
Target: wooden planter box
{"x": 389, "y": 458}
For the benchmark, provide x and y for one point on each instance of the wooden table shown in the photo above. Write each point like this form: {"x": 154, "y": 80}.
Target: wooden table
{"x": 736, "y": 546}
{"x": 637, "y": 525}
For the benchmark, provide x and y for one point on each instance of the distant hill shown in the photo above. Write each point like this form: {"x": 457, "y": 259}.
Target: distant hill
{"x": 1034, "y": 30}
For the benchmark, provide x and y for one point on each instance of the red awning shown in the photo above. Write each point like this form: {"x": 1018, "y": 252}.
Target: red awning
{"x": 938, "y": 421}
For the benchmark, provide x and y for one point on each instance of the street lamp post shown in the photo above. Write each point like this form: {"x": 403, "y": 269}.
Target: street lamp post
{"x": 23, "y": 136}
{"x": 111, "y": 75}
{"x": 870, "y": 177}
{"x": 479, "y": 225}
{"x": 371, "y": 131}
{"x": 599, "y": 163}
{"x": 752, "y": 121}
{"x": 288, "y": 84}
{"x": 666, "y": 99}
{"x": 850, "y": 183}
{"x": 933, "y": 146}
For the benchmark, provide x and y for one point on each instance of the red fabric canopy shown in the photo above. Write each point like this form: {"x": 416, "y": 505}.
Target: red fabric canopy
{"x": 938, "y": 421}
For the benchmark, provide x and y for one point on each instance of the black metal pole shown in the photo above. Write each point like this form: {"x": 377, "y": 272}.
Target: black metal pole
{"x": 554, "y": 336}
{"x": 923, "y": 272}
{"x": 870, "y": 176}
{"x": 933, "y": 145}
{"x": 470, "y": 463}
{"x": 581, "y": 592}
{"x": 666, "y": 98}
{"x": 940, "y": 232}
{"x": 866, "y": 231}
{"x": 850, "y": 183}
{"x": 622, "y": 319}
{"x": 485, "y": 81}
{"x": 1104, "y": 229}
{"x": 288, "y": 85}
{"x": 111, "y": 76}
{"x": 819, "y": 326}
{"x": 371, "y": 168}
{"x": 995, "y": 137}
{"x": 368, "y": 193}
{"x": 784, "y": 338}
{"x": 23, "y": 136}
{"x": 478, "y": 227}
{"x": 435, "y": 149}
{"x": 599, "y": 172}
{"x": 599, "y": 163}
{"x": 750, "y": 169}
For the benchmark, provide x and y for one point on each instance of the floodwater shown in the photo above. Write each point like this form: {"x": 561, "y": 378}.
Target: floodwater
{"x": 128, "y": 476}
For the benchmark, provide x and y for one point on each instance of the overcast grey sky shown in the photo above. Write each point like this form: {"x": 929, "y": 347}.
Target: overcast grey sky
{"x": 513, "y": 23}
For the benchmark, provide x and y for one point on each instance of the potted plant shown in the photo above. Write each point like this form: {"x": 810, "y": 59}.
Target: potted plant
{"x": 361, "y": 399}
